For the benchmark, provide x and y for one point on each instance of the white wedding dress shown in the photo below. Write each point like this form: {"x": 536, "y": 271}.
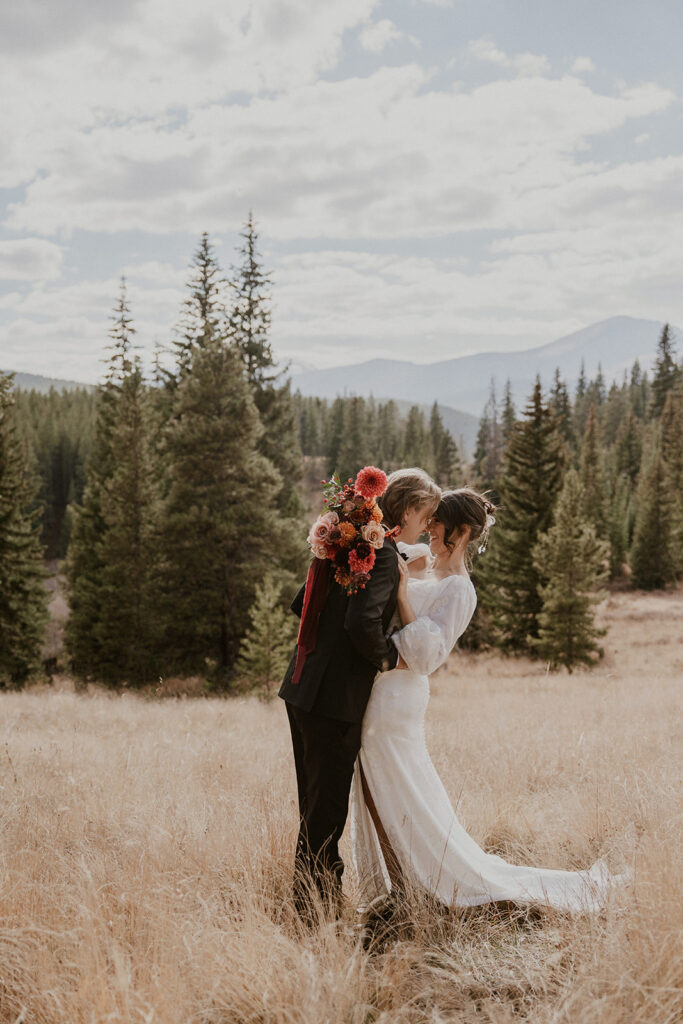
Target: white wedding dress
{"x": 431, "y": 846}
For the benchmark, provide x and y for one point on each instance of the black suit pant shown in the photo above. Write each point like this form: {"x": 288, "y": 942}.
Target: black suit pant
{"x": 325, "y": 752}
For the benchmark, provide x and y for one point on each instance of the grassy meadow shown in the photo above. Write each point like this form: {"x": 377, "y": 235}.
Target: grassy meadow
{"x": 146, "y": 845}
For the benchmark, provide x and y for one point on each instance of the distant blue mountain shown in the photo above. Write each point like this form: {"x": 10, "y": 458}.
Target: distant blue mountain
{"x": 463, "y": 383}
{"x": 34, "y": 382}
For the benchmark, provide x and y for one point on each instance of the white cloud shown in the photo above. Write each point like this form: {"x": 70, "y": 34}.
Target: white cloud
{"x": 486, "y": 49}
{"x": 62, "y": 349}
{"x": 30, "y": 259}
{"x": 524, "y": 63}
{"x": 529, "y": 291}
{"x": 152, "y": 117}
{"x": 154, "y": 62}
{"x": 376, "y": 36}
{"x": 531, "y": 64}
{"x": 62, "y": 330}
{"x": 643, "y": 137}
{"x": 364, "y": 157}
{"x": 582, "y": 64}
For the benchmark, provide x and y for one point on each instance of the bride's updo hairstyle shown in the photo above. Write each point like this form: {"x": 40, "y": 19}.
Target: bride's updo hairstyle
{"x": 407, "y": 488}
{"x": 465, "y": 507}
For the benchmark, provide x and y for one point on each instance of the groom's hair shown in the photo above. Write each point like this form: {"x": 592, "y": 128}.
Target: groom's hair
{"x": 408, "y": 488}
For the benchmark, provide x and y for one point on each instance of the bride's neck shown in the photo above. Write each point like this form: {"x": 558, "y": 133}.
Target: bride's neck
{"x": 450, "y": 564}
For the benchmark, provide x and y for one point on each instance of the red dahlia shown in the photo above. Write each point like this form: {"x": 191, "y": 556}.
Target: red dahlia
{"x": 371, "y": 482}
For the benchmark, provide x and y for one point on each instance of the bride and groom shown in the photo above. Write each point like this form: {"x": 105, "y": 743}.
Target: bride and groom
{"x": 356, "y": 705}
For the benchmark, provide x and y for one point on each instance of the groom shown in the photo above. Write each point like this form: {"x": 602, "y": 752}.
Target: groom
{"x": 326, "y": 700}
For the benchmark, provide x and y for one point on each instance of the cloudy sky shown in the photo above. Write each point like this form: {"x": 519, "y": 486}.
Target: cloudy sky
{"x": 430, "y": 178}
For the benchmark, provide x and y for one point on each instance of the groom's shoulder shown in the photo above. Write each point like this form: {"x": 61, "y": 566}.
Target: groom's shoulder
{"x": 390, "y": 545}
{"x": 388, "y": 555}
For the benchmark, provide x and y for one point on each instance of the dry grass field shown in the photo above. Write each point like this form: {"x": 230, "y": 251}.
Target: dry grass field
{"x": 145, "y": 853}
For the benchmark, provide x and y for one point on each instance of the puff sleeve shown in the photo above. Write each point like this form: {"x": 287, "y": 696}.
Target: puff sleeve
{"x": 411, "y": 552}
{"x": 425, "y": 643}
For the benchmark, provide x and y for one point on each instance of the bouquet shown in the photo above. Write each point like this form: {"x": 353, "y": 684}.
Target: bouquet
{"x": 349, "y": 531}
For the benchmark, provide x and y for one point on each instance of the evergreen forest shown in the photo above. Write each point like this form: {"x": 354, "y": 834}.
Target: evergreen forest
{"x": 177, "y": 507}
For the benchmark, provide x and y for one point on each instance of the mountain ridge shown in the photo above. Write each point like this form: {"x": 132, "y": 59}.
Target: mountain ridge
{"x": 463, "y": 382}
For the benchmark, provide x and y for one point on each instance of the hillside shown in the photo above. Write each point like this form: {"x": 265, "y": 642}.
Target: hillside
{"x": 463, "y": 383}
{"x": 33, "y": 381}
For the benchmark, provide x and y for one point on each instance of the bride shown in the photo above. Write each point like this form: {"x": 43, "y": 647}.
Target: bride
{"x": 403, "y": 824}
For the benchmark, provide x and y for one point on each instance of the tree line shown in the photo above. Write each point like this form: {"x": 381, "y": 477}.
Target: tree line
{"x": 57, "y": 429}
{"x": 590, "y": 488}
{"x": 190, "y": 492}
{"x": 352, "y": 432}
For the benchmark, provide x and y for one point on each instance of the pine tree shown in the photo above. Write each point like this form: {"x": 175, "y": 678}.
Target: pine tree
{"x": 354, "y": 452}
{"x": 639, "y": 391}
{"x": 448, "y": 467}
{"x": 204, "y": 314}
{"x": 596, "y": 393}
{"x": 629, "y": 446}
{"x": 581, "y": 404}
{"x": 562, "y": 407}
{"x": 592, "y": 477}
{"x": 23, "y": 601}
{"x": 125, "y": 631}
{"x": 616, "y": 409}
{"x": 57, "y": 430}
{"x": 108, "y": 633}
{"x": 489, "y": 449}
{"x": 415, "y": 440}
{"x": 481, "y": 444}
{"x": 620, "y": 525}
{"x": 666, "y": 371}
{"x": 309, "y": 439}
{"x": 531, "y": 479}
{"x": 652, "y": 556}
{"x": 445, "y": 459}
{"x": 266, "y": 648}
{"x": 250, "y": 321}
{"x": 334, "y": 432}
{"x": 251, "y": 315}
{"x": 509, "y": 414}
{"x": 571, "y": 562}
{"x": 436, "y": 427}
{"x": 218, "y": 527}
{"x": 389, "y": 435}
{"x": 85, "y": 564}
{"x": 582, "y": 383}
{"x": 671, "y": 427}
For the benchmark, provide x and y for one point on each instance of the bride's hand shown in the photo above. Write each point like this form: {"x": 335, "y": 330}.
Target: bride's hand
{"x": 404, "y": 576}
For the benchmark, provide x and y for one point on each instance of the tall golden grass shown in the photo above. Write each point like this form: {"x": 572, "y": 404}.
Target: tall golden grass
{"x": 146, "y": 847}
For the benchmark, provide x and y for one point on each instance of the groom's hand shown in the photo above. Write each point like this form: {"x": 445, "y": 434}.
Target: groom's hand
{"x": 401, "y": 663}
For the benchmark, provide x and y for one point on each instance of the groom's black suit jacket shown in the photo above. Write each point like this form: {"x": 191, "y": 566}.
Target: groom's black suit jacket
{"x": 351, "y": 645}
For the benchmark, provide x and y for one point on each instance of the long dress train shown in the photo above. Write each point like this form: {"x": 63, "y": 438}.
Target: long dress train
{"x": 431, "y": 846}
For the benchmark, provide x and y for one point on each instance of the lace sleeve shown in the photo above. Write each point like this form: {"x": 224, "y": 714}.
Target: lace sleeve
{"x": 425, "y": 643}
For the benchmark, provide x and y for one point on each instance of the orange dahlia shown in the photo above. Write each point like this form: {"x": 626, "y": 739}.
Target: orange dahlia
{"x": 348, "y": 534}
{"x": 371, "y": 482}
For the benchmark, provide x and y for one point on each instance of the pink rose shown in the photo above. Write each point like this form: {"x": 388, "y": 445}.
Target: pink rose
{"x": 319, "y": 550}
{"x": 373, "y": 533}
{"x": 319, "y": 532}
